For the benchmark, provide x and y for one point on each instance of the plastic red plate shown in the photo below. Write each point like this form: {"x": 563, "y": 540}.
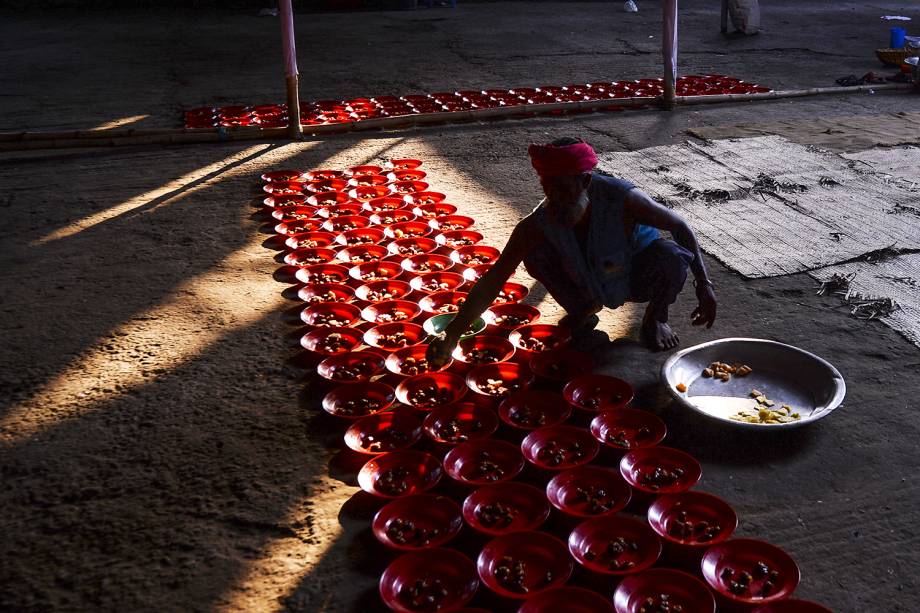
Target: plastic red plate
{"x": 375, "y": 271}
{"x": 532, "y": 409}
{"x": 326, "y": 185}
{"x": 361, "y": 236}
{"x": 309, "y": 257}
{"x": 660, "y": 470}
{"x": 310, "y": 239}
{"x": 511, "y": 293}
{"x": 444, "y": 569}
{"x": 546, "y": 564}
{"x": 322, "y": 273}
{"x": 483, "y": 349}
{"x": 346, "y": 209}
{"x": 330, "y": 314}
{"x": 283, "y": 188}
{"x": 692, "y": 519}
{"x": 625, "y": 429}
{"x": 399, "y": 473}
{"x": 588, "y": 491}
{"x": 384, "y": 432}
{"x": 367, "y": 180}
{"x": 442, "y": 302}
{"x": 386, "y": 218}
{"x": 435, "y": 209}
{"x": 330, "y": 341}
{"x": 393, "y": 336}
{"x": 351, "y": 367}
{"x": 293, "y": 213}
{"x": 344, "y": 223}
{"x": 296, "y": 227}
{"x": 317, "y": 293}
{"x": 475, "y": 255}
{"x": 320, "y": 175}
{"x": 432, "y": 282}
{"x": 406, "y": 175}
{"x": 289, "y": 200}
{"x": 474, "y": 273}
{"x": 410, "y": 361}
{"x": 614, "y": 545}
{"x": 559, "y": 447}
{"x": 367, "y": 193}
{"x": 503, "y": 508}
{"x": 358, "y": 399}
{"x": 381, "y": 291}
{"x": 483, "y": 461}
{"x": 560, "y": 364}
{"x": 366, "y": 169}
{"x": 534, "y": 338}
{"x": 508, "y": 317}
{"x": 387, "y": 203}
{"x": 411, "y": 246}
{"x": 417, "y": 522}
{"x": 427, "y": 262}
{"x": 404, "y": 164}
{"x": 406, "y": 229}
{"x": 422, "y": 197}
{"x": 330, "y": 198}
{"x": 498, "y": 380}
{"x": 450, "y": 223}
{"x": 458, "y": 238}
{"x": 568, "y": 599}
{"x": 352, "y": 256}
{"x": 389, "y": 311}
{"x": 744, "y": 556}
{"x": 430, "y": 390}
{"x": 682, "y": 589}
{"x": 460, "y": 422}
{"x": 404, "y": 188}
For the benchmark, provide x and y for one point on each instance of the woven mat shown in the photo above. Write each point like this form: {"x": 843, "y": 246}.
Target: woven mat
{"x": 835, "y": 133}
{"x": 767, "y": 206}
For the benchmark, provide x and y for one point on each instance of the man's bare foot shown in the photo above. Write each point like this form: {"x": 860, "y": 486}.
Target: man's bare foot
{"x": 658, "y": 336}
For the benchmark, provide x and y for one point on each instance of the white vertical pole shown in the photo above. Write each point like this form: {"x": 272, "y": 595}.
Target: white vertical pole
{"x": 290, "y": 68}
{"x": 669, "y": 50}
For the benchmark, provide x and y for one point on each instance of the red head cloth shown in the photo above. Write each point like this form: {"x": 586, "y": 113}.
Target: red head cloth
{"x": 550, "y": 161}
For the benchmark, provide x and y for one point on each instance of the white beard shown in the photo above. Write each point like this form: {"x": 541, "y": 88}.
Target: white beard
{"x": 574, "y": 212}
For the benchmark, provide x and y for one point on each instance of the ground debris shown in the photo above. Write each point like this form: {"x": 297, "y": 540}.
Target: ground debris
{"x": 768, "y": 185}
{"x": 836, "y": 284}
{"x": 707, "y": 195}
{"x": 869, "y": 308}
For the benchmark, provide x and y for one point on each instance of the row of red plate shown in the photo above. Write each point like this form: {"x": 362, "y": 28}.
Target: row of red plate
{"x": 322, "y": 112}
{"x": 512, "y": 420}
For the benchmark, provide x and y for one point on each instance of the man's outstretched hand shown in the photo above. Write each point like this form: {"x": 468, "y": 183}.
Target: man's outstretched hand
{"x": 438, "y": 352}
{"x": 705, "y": 312}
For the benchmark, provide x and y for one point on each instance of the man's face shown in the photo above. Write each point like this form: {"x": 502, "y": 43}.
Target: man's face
{"x": 566, "y": 197}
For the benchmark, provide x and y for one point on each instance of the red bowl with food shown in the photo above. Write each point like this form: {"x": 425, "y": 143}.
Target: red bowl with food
{"x": 412, "y": 246}
{"x": 386, "y": 218}
{"x": 288, "y": 200}
{"x": 283, "y": 188}
{"x": 405, "y": 229}
{"x": 367, "y": 180}
{"x": 309, "y": 257}
{"x": 387, "y": 203}
{"x": 433, "y": 282}
{"x": 351, "y": 367}
{"x": 432, "y": 579}
{"x": 598, "y": 393}
{"x": 382, "y": 270}
{"x": 483, "y": 461}
{"x": 390, "y": 311}
{"x": 692, "y": 520}
{"x": 559, "y": 447}
{"x": 331, "y": 314}
{"x": 626, "y": 429}
{"x": 531, "y": 339}
{"x": 330, "y": 198}
{"x": 532, "y": 409}
{"x": 396, "y": 335}
{"x": 434, "y": 209}
{"x": 358, "y": 399}
{"x": 442, "y": 302}
{"x": 505, "y": 318}
{"x": 417, "y": 522}
{"x": 424, "y": 197}
{"x": 657, "y": 587}
{"x": 460, "y": 422}
{"x": 427, "y": 262}
{"x": 450, "y": 223}
{"x": 568, "y": 599}
{"x": 323, "y": 174}
{"x": 560, "y": 365}
{"x": 410, "y": 361}
{"x": 511, "y": 293}
{"x": 614, "y": 545}
{"x": 522, "y": 564}
{"x": 361, "y": 254}
{"x": 750, "y": 571}
{"x": 792, "y": 605}
{"x": 481, "y": 349}
{"x": 309, "y": 239}
{"x": 318, "y": 293}
{"x": 660, "y": 470}
{"x": 503, "y": 508}
{"x": 406, "y": 175}
{"x": 455, "y": 239}
{"x": 322, "y": 273}
{"x": 498, "y": 380}
{"x": 346, "y": 209}
{"x": 403, "y": 164}
{"x": 293, "y": 213}
{"x": 365, "y": 169}
{"x": 298, "y": 227}
{"x": 330, "y": 341}
{"x": 399, "y": 473}
{"x": 326, "y": 185}
{"x": 475, "y": 255}
{"x": 406, "y": 188}
{"x": 384, "y": 432}
{"x": 428, "y": 391}
{"x": 474, "y": 273}
{"x": 360, "y": 236}
{"x": 382, "y": 291}
{"x": 282, "y": 175}
{"x": 588, "y": 491}
{"x": 344, "y": 223}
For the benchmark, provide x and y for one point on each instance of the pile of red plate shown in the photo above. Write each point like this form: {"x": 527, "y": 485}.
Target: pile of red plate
{"x": 325, "y": 112}
{"x": 513, "y": 470}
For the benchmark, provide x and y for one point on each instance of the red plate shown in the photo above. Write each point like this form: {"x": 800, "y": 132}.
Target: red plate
{"x": 568, "y": 599}
{"x": 547, "y": 336}
{"x": 367, "y": 169}
{"x": 377, "y": 337}
{"x": 639, "y": 464}
{"x": 319, "y": 175}
{"x": 404, "y": 188}
{"x": 404, "y": 164}
{"x": 505, "y": 318}
{"x": 331, "y": 198}
{"x": 308, "y": 257}
{"x": 326, "y": 185}
{"x": 743, "y": 555}
{"x": 414, "y": 245}
{"x": 355, "y": 400}
{"x": 422, "y": 196}
{"x": 381, "y": 291}
{"x": 350, "y": 209}
{"x": 682, "y": 589}
{"x": 407, "y": 229}
{"x": 386, "y": 218}
{"x": 488, "y": 349}
{"x": 483, "y": 461}
{"x": 560, "y": 364}
{"x": 396, "y": 362}
{"x": 282, "y": 175}
{"x": 291, "y": 200}
{"x": 506, "y": 378}
{"x": 293, "y": 213}
{"x": 436, "y": 209}
{"x": 474, "y": 273}
{"x": 625, "y": 429}
{"x": 322, "y": 273}
{"x": 399, "y": 473}
{"x": 283, "y": 188}
{"x": 596, "y": 545}
{"x": 375, "y": 271}
{"x": 384, "y": 432}
{"x": 458, "y": 238}
{"x": 452, "y": 570}
{"x": 367, "y": 180}
{"x": 475, "y": 255}
{"x": 403, "y": 311}
{"x": 559, "y": 447}
{"x": 351, "y": 367}
{"x": 406, "y": 175}
{"x": 387, "y": 203}
{"x": 534, "y": 409}
{"x": 792, "y": 605}
{"x": 446, "y": 387}
{"x": 350, "y": 339}
{"x": 510, "y": 293}
{"x": 427, "y": 262}
{"x": 299, "y": 226}
{"x": 588, "y": 491}
{"x": 318, "y": 293}
{"x": 505, "y": 508}
{"x": 450, "y": 223}
{"x": 344, "y": 223}
{"x": 433, "y": 282}
{"x": 362, "y": 254}
{"x": 692, "y": 519}
{"x": 442, "y": 302}
{"x": 368, "y": 192}
{"x": 310, "y": 240}
{"x": 544, "y": 557}
{"x": 331, "y": 314}
{"x": 417, "y": 522}
{"x": 361, "y": 236}
{"x": 460, "y": 422}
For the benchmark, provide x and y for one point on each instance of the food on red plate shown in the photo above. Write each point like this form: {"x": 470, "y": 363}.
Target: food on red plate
{"x": 700, "y": 531}
{"x": 325, "y": 277}
{"x": 759, "y": 582}
{"x": 450, "y": 307}
{"x": 330, "y": 319}
{"x": 379, "y": 295}
{"x": 430, "y": 266}
{"x": 505, "y": 297}
{"x": 456, "y": 242}
{"x": 495, "y": 515}
{"x": 406, "y": 532}
{"x": 512, "y": 575}
{"x": 424, "y": 594}
{"x": 413, "y": 366}
{"x": 394, "y": 315}
{"x": 307, "y": 243}
{"x": 660, "y": 477}
{"x": 456, "y": 431}
{"x": 513, "y": 321}
{"x": 393, "y": 482}
{"x": 535, "y": 344}
{"x": 430, "y": 396}
{"x": 388, "y": 439}
{"x": 327, "y": 296}
{"x": 411, "y": 249}
{"x": 614, "y": 555}
{"x": 352, "y": 372}
{"x": 393, "y": 341}
{"x": 499, "y": 388}
{"x": 487, "y": 469}
{"x": 621, "y": 438}
{"x": 660, "y": 604}
{"x": 554, "y": 453}
{"x": 596, "y": 499}
{"x": 474, "y": 259}
{"x": 433, "y": 285}
{"x": 333, "y": 343}
{"x": 482, "y": 356}
{"x": 358, "y": 406}
{"x": 524, "y": 416}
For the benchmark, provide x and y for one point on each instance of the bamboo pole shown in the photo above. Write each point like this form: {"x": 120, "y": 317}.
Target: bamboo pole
{"x": 669, "y": 51}
{"x": 16, "y": 141}
{"x": 290, "y": 69}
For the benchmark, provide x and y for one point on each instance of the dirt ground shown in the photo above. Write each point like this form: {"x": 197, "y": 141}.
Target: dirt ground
{"x": 159, "y": 444}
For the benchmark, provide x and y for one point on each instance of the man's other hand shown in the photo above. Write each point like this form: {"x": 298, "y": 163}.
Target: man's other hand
{"x": 705, "y": 312}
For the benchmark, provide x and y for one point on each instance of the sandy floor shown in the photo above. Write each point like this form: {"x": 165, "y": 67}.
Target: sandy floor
{"x": 159, "y": 447}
